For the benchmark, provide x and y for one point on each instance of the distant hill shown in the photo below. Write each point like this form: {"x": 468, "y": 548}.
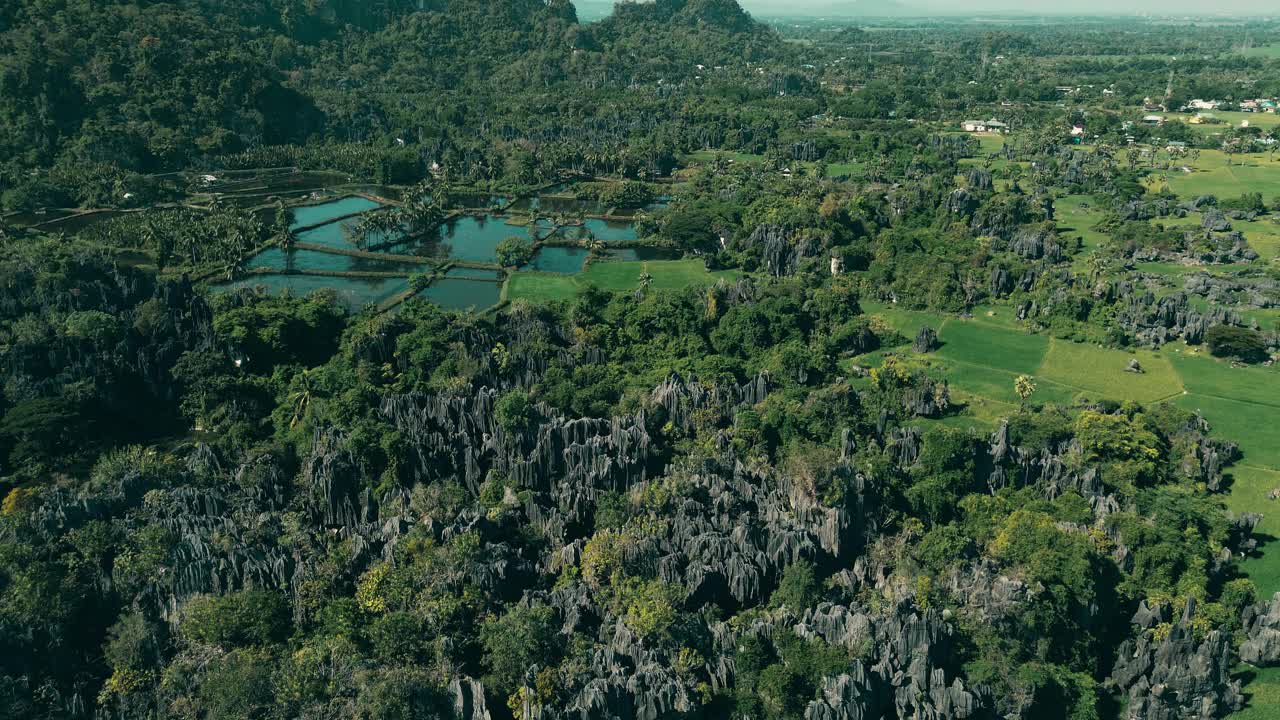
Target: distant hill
{"x": 829, "y": 8}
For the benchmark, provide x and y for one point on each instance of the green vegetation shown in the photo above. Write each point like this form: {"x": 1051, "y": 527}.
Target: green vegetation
{"x": 614, "y": 277}
{"x": 672, "y": 365}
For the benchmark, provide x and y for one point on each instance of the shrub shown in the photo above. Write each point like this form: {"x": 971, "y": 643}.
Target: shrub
{"x": 1228, "y": 341}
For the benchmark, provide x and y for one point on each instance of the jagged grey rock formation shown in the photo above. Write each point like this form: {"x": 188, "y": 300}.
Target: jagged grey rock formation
{"x": 1170, "y": 673}
{"x": 1262, "y": 633}
{"x": 925, "y": 340}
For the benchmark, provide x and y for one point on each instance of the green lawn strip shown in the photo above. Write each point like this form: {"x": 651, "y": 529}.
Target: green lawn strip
{"x": 1208, "y": 376}
{"x": 1262, "y": 693}
{"x": 1252, "y": 426}
{"x": 996, "y": 385}
{"x": 540, "y": 287}
{"x": 980, "y": 343}
{"x": 1212, "y": 175}
{"x": 1101, "y": 371}
{"x": 1262, "y": 51}
{"x": 614, "y": 277}
{"x": 1249, "y": 488}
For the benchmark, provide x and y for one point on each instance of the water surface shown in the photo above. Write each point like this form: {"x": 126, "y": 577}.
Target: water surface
{"x": 315, "y": 214}
{"x": 461, "y": 294}
{"x": 566, "y": 260}
{"x": 277, "y": 259}
{"x": 352, "y": 293}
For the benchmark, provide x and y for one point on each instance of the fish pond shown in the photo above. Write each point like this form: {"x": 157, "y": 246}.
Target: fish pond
{"x": 309, "y": 215}
{"x": 315, "y": 261}
{"x": 352, "y": 293}
{"x": 469, "y": 238}
{"x": 456, "y": 293}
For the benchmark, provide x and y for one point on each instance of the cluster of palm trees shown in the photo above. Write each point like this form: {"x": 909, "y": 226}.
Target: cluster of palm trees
{"x": 422, "y": 209}
{"x": 221, "y": 239}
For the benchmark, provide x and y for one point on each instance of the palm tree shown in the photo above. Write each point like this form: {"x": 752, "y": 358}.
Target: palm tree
{"x": 301, "y": 398}
{"x": 1024, "y": 386}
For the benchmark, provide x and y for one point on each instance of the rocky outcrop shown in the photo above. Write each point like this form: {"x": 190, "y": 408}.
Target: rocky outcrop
{"x": 925, "y": 340}
{"x": 781, "y": 250}
{"x": 1261, "y": 623}
{"x": 1155, "y": 321}
{"x": 1214, "y": 220}
{"x": 1172, "y": 672}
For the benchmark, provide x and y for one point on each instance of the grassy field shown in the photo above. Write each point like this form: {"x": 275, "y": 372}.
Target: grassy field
{"x": 706, "y": 156}
{"x": 612, "y": 276}
{"x": 1249, "y": 489}
{"x": 1213, "y": 176}
{"x": 840, "y": 169}
{"x": 981, "y": 357}
{"x": 1076, "y": 215}
{"x": 1264, "y": 51}
{"x": 1263, "y": 693}
{"x": 1229, "y": 120}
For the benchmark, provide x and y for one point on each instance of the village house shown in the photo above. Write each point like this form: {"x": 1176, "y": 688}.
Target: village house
{"x": 1203, "y": 105}
{"x": 1153, "y": 120}
{"x": 984, "y": 126}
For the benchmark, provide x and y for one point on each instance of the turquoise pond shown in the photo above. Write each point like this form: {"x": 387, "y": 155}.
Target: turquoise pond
{"x": 309, "y": 215}
{"x": 333, "y": 235}
{"x": 353, "y": 293}
{"x": 567, "y": 260}
{"x": 473, "y": 238}
{"x": 277, "y": 259}
{"x": 463, "y": 294}
{"x": 603, "y": 230}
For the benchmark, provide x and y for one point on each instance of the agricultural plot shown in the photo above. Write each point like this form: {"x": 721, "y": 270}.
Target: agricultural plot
{"x": 1229, "y": 120}
{"x": 1204, "y": 375}
{"x": 996, "y": 385}
{"x": 1262, "y": 51}
{"x": 1263, "y": 692}
{"x": 1076, "y": 215}
{"x": 1249, "y": 489}
{"x": 1212, "y": 175}
{"x": 1101, "y": 373}
{"x": 540, "y": 287}
{"x": 852, "y": 169}
{"x": 977, "y": 343}
{"x": 706, "y": 156}
{"x": 1252, "y": 426}
{"x": 983, "y": 358}
{"x": 614, "y": 277}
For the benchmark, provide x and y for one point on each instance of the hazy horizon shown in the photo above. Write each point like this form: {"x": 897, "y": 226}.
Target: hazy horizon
{"x": 766, "y": 8}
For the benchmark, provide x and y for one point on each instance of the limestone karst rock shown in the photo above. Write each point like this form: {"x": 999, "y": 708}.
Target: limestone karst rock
{"x": 1178, "y": 673}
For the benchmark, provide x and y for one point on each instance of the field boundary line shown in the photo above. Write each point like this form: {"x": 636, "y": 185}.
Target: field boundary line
{"x": 1235, "y": 400}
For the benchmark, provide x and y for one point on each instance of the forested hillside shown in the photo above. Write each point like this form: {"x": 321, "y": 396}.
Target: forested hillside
{"x": 459, "y": 359}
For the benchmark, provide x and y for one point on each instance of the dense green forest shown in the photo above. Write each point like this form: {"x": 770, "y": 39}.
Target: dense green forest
{"x": 840, "y": 411}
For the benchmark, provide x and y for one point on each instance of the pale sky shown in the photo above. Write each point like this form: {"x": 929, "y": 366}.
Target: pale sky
{"x": 1056, "y": 7}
